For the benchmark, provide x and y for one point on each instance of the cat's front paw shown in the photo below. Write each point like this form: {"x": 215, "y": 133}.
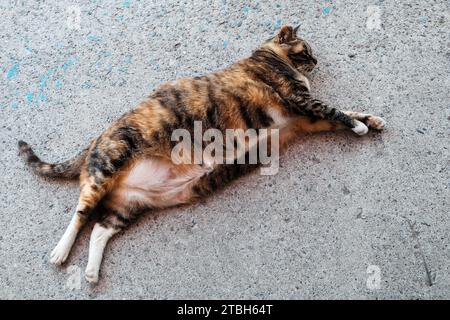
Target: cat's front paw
{"x": 360, "y": 128}
{"x": 375, "y": 122}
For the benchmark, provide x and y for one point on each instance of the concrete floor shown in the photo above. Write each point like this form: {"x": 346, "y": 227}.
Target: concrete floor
{"x": 346, "y": 216}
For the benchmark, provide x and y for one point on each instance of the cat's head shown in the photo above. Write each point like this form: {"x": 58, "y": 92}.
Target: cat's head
{"x": 293, "y": 48}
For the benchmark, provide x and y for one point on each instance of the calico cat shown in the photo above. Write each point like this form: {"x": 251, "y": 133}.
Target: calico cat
{"x": 128, "y": 169}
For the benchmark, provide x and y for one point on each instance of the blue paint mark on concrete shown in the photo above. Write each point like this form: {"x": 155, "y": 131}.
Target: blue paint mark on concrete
{"x": 278, "y": 24}
{"x": 30, "y": 96}
{"x": 246, "y": 9}
{"x": 86, "y": 85}
{"x": 69, "y": 63}
{"x": 126, "y": 3}
{"x": 42, "y": 96}
{"x": 105, "y": 53}
{"x": 225, "y": 44}
{"x": 424, "y": 19}
{"x": 110, "y": 67}
{"x": 58, "y": 84}
{"x": 45, "y": 78}
{"x": 98, "y": 64}
{"x": 12, "y": 72}
{"x": 128, "y": 59}
{"x": 94, "y": 38}
{"x": 14, "y": 104}
{"x": 326, "y": 10}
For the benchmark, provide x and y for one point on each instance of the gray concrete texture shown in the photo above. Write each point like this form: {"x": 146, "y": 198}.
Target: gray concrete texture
{"x": 342, "y": 213}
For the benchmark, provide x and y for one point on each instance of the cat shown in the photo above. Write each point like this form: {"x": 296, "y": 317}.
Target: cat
{"x": 128, "y": 169}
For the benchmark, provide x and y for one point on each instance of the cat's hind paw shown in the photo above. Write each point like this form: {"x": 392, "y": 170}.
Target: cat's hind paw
{"x": 91, "y": 276}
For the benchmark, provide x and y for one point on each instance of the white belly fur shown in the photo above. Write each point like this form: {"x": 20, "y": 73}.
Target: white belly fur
{"x": 157, "y": 182}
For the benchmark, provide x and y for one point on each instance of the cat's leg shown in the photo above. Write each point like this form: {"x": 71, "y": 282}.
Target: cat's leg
{"x": 220, "y": 176}
{"x": 311, "y": 125}
{"x": 316, "y": 108}
{"x": 308, "y": 124}
{"x": 102, "y": 232}
{"x": 92, "y": 191}
{"x": 105, "y": 159}
{"x": 62, "y": 249}
{"x": 99, "y": 238}
{"x": 370, "y": 120}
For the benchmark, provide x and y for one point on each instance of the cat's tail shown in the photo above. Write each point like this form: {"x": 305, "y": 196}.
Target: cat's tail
{"x": 69, "y": 169}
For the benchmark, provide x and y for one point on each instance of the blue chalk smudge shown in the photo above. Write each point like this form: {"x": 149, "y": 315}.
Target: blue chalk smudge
{"x": 98, "y": 64}
{"x": 128, "y": 59}
{"x": 126, "y": 3}
{"x": 12, "y": 72}
{"x": 43, "y": 85}
{"x": 86, "y": 85}
{"x": 110, "y": 67}
{"x": 14, "y": 104}
{"x": 104, "y": 53}
{"x": 246, "y": 9}
{"x": 326, "y": 10}
{"x": 45, "y": 78}
{"x": 278, "y": 23}
{"x": 42, "y": 96}
{"x": 94, "y": 38}
{"x": 424, "y": 19}
{"x": 69, "y": 63}
{"x": 58, "y": 84}
{"x": 225, "y": 43}
{"x": 120, "y": 18}
{"x": 30, "y": 96}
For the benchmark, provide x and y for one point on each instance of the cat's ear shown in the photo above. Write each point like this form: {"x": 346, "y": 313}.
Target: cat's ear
{"x": 285, "y": 35}
{"x": 296, "y": 29}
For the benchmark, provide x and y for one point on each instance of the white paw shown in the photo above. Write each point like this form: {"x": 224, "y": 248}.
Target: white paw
{"x": 375, "y": 122}
{"x": 59, "y": 254}
{"x": 360, "y": 128}
{"x": 91, "y": 276}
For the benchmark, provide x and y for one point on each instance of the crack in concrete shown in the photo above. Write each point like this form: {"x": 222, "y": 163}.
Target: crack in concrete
{"x": 430, "y": 276}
